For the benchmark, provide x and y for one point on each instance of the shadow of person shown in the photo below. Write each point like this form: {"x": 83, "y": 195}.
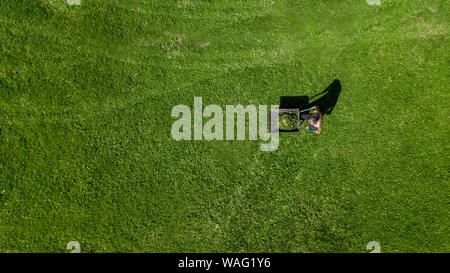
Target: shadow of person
{"x": 329, "y": 98}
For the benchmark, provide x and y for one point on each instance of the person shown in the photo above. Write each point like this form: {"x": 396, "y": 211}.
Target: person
{"x": 314, "y": 120}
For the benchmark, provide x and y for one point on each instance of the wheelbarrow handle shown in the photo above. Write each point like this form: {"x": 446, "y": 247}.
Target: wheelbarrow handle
{"x": 306, "y": 109}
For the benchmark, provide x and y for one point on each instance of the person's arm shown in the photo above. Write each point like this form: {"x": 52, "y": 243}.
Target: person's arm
{"x": 319, "y": 127}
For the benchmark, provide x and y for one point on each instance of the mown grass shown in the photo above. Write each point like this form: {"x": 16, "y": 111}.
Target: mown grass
{"x": 86, "y": 152}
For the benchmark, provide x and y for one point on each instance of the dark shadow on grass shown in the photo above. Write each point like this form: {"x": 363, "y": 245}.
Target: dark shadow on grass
{"x": 329, "y": 98}
{"x": 326, "y": 102}
{"x": 291, "y": 102}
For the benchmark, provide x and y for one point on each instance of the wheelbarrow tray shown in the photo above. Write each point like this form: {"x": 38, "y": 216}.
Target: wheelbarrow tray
{"x": 274, "y": 118}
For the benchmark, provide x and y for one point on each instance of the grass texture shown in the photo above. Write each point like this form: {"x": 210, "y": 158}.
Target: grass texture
{"x": 86, "y": 153}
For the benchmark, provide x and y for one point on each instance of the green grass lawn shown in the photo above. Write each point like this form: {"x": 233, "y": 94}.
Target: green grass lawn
{"x": 86, "y": 152}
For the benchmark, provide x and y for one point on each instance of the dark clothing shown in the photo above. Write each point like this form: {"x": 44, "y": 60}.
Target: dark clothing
{"x": 311, "y": 118}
